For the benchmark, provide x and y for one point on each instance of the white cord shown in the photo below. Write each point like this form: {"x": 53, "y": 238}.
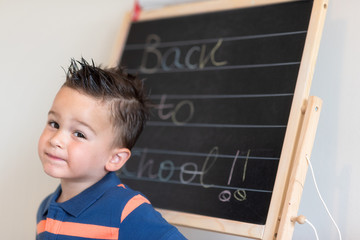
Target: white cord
{"x": 322, "y": 200}
{"x": 307, "y": 221}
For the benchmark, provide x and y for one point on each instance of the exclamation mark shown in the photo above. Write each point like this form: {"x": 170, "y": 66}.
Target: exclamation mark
{"x": 240, "y": 194}
{"x": 245, "y": 165}
{"x": 232, "y": 167}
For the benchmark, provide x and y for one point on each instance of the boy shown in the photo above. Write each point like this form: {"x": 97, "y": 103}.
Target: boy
{"x": 95, "y": 119}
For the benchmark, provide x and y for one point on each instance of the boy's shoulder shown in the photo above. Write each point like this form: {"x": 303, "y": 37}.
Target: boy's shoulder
{"x": 139, "y": 219}
{"x": 119, "y": 195}
{"x": 121, "y": 198}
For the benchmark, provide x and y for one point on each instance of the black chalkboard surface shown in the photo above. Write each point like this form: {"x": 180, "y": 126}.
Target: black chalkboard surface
{"x": 222, "y": 85}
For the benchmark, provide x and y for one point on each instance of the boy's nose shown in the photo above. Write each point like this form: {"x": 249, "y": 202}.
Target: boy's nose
{"x": 58, "y": 140}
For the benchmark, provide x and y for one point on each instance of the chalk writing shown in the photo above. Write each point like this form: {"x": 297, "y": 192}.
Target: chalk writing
{"x": 166, "y": 166}
{"x": 209, "y": 162}
{"x": 232, "y": 167}
{"x": 245, "y": 165}
{"x": 225, "y": 196}
{"x": 188, "y": 172}
{"x": 239, "y": 194}
{"x": 174, "y": 109}
{"x": 194, "y": 58}
{"x": 192, "y": 173}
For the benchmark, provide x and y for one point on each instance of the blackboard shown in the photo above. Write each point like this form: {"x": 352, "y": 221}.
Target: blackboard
{"x": 222, "y": 84}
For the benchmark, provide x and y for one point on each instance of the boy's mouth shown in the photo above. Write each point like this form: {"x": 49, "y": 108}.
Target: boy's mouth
{"x": 54, "y": 157}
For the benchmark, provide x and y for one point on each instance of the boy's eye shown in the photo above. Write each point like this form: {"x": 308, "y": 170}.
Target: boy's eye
{"x": 54, "y": 124}
{"x": 79, "y": 135}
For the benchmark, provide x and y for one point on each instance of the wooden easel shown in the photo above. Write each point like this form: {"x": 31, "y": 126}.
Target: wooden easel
{"x": 298, "y": 140}
{"x": 299, "y": 168}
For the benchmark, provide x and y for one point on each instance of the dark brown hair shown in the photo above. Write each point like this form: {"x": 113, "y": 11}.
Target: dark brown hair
{"x": 125, "y": 93}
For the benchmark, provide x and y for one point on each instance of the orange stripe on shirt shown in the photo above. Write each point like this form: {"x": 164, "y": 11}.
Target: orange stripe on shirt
{"x": 41, "y": 227}
{"x": 132, "y": 204}
{"x": 77, "y": 229}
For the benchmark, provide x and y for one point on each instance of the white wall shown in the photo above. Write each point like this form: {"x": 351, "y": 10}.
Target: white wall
{"x": 38, "y": 37}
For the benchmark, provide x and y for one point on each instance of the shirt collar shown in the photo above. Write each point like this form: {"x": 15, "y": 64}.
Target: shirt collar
{"x": 76, "y": 205}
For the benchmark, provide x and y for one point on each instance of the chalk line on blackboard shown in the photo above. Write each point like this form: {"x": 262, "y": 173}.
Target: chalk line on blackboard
{"x": 193, "y": 184}
{"x": 211, "y": 40}
{"x": 198, "y": 96}
{"x": 211, "y": 125}
{"x": 212, "y": 68}
{"x": 197, "y": 154}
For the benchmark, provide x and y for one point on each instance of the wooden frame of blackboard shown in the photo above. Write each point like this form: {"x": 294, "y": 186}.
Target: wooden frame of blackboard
{"x": 298, "y": 138}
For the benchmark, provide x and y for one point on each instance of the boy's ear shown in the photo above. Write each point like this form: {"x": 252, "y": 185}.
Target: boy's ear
{"x": 118, "y": 159}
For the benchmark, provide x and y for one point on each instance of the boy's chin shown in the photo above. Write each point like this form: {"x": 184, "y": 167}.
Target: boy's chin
{"x": 50, "y": 171}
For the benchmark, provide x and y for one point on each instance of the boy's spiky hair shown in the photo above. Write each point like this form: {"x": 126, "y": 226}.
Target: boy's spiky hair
{"x": 125, "y": 93}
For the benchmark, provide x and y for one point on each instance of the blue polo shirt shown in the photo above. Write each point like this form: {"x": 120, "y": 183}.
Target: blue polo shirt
{"x": 106, "y": 210}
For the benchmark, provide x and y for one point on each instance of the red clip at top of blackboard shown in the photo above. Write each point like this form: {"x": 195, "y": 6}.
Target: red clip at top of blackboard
{"x": 136, "y": 12}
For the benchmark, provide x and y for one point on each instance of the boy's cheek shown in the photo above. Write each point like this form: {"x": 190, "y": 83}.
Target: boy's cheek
{"x": 42, "y": 143}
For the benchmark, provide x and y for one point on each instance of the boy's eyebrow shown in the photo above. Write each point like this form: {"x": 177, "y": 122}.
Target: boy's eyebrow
{"x": 86, "y": 125}
{"x": 51, "y": 112}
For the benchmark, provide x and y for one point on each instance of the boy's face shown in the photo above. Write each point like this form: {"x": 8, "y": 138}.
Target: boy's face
{"x": 77, "y": 140}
